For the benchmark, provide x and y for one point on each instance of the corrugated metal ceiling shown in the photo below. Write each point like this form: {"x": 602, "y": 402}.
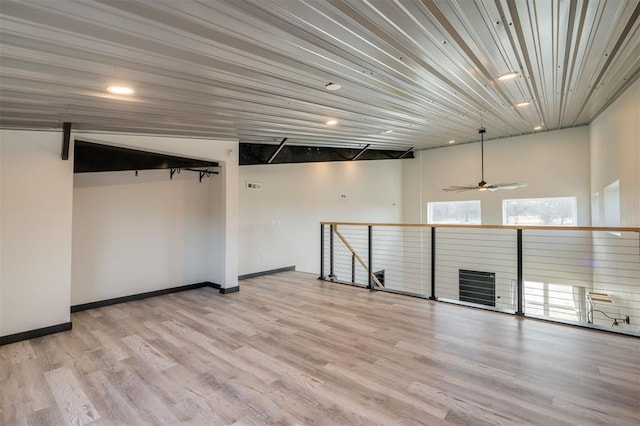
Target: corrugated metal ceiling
{"x": 257, "y": 70}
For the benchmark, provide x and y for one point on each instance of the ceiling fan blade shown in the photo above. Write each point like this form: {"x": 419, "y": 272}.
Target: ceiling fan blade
{"x": 509, "y": 185}
{"x": 460, "y": 188}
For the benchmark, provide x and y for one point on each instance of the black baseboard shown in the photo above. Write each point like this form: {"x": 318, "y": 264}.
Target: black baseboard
{"x": 32, "y": 334}
{"x": 139, "y": 296}
{"x": 269, "y": 272}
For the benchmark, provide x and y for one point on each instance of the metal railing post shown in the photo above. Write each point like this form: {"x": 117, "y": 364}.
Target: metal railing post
{"x": 331, "y": 274}
{"x": 353, "y": 268}
{"x": 322, "y": 251}
{"x": 433, "y": 264}
{"x": 520, "y": 286}
{"x": 370, "y": 280}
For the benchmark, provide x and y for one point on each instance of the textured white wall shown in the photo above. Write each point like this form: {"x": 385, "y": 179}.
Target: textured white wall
{"x": 36, "y": 189}
{"x": 280, "y": 223}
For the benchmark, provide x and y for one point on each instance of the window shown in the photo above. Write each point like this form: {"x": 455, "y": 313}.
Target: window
{"x": 612, "y": 204}
{"x": 554, "y": 300}
{"x": 457, "y": 212}
{"x": 556, "y": 211}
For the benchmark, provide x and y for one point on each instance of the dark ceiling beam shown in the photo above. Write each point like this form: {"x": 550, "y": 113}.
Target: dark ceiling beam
{"x": 95, "y": 157}
{"x": 361, "y": 152}
{"x": 256, "y": 153}
{"x": 66, "y": 138}
{"x": 407, "y": 152}
{"x": 275, "y": 154}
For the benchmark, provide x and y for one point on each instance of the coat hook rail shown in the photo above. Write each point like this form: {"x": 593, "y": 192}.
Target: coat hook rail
{"x": 202, "y": 173}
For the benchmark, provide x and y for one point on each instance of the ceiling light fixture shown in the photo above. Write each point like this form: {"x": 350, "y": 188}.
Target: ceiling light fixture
{"x": 332, "y": 86}
{"x": 387, "y": 132}
{"x": 120, "y": 90}
{"x": 508, "y": 75}
{"x": 451, "y": 141}
{"x": 523, "y": 104}
{"x": 537, "y": 128}
{"x": 332, "y": 122}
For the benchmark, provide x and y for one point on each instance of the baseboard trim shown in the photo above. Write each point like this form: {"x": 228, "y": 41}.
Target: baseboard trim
{"x": 32, "y": 334}
{"x": 269, "y": 272}
{"x": 139, "y": 296}
{"x": 230, "y": 290}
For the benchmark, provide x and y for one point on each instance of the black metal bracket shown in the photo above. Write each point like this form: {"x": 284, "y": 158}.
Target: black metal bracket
{"x": 66, "y": 137}
{"x": 202, "y": 173}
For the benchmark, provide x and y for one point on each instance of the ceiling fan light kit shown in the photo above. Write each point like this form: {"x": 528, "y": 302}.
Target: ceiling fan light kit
{"x": 483, "y": 185}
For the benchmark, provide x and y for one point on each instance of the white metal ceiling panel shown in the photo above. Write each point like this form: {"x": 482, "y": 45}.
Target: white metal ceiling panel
{"x": 256, "y": 70}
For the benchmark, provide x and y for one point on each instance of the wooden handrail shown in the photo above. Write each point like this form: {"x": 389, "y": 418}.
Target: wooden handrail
{"x": 537, "y": 228}
{"x": 357, "y": 256}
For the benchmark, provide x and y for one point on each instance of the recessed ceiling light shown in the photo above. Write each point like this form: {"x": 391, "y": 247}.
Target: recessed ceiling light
{"x": 332, "y": 122}
{"x": 120, "y": 90}
{"x": 523, "y": 104}
{"x": 537, "y": 128}
{"x": 451, "y": 141}
{"x": 387, "y": 132}
{"x": 508, "y": 75}
{"x": 332, "y": 86}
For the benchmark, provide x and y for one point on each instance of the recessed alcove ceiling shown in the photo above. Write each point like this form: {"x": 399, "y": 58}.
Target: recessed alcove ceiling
{"x": 257, "y": 70}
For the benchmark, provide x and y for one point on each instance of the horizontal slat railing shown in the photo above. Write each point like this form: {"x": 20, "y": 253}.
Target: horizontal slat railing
{"x": 580, "y": 275}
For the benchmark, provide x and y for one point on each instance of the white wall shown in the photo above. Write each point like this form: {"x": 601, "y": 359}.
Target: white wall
{"x": 615, "y": 154}
{"x": 137, "y": 234}
{"x": 554, "y": 164}
{"x": 36, "y": 190}
{"x": 36, "y": 193}
{"x": 223, "y": 234}
{"x": 280, "y": 223}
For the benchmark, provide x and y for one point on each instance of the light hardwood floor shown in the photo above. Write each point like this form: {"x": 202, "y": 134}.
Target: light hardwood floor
{"x": 289, "y": 349}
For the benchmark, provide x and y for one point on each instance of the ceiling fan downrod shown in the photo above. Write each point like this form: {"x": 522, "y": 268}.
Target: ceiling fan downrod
{"x": 482, "y": 131}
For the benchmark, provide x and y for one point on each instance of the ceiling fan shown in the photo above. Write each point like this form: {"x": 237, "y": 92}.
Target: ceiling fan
{"x": 482, "y": 185}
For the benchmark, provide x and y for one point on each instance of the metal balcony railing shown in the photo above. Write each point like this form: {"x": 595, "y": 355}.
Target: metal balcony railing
{"x": 578, "y": 275}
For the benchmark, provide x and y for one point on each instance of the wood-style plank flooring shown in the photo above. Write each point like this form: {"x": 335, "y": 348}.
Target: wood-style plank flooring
{"x": 289, "y": 349}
